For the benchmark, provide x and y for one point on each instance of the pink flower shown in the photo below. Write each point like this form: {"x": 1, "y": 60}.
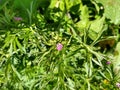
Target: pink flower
{"x": 118, "y": 85}
{"x": 108, "y": 62}
{"x": 17, "y": 18}
{"x": 59, "y": 46}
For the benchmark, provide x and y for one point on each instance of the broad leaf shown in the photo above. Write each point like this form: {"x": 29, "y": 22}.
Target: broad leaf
{"x": 116, "y": 61}
{"x": 96, "y": 27}
{"x": 112, "y": 10}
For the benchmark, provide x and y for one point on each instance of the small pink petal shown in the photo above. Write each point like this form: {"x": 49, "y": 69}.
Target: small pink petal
{"x": 118, "y": 85}
{"x": 17, "y": 18}
{"x": 59, "y": 46}
{"x": 108, "y": 62}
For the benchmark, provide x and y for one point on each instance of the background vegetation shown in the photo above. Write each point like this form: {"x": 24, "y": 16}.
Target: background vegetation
{"x": 59, "y": 44}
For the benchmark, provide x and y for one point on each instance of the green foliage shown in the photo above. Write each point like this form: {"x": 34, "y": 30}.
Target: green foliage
{"x": 59, "y": 45}
{"x": 111, "y": 10}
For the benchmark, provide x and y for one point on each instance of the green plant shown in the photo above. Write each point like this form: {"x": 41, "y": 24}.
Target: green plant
{"x": 59, "y": 45}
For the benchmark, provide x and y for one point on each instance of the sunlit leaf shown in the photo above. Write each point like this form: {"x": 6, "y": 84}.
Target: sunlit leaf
{"x": 112, "y": 10}
{"x": 96, "y": 27}
{"x": 116, "y": 61}
{"x": 19, "y": 45}
{"x": 84, "y": 22}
